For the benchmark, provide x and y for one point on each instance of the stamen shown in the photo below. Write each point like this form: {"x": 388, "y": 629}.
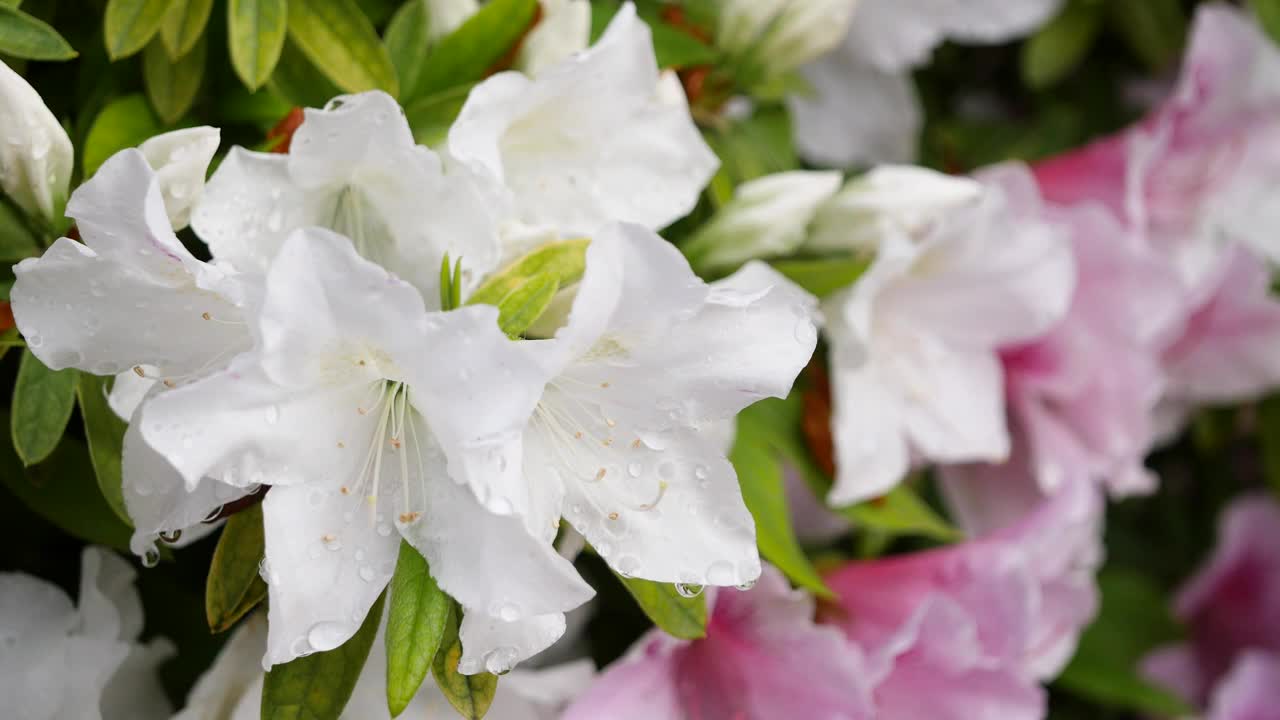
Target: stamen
{"x": 662, "y": 491}
{"x": 599, "y": 474}
{"x": 327, "y": 538}
{"x": 613, "y": 516}
{"x": 344, "y": 490}
{"x": 137, "y": 370}
{"x": 408, "y": 517}
{"x": 206, "y": 316}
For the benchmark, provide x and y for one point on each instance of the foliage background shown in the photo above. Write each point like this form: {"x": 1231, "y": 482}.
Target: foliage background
{"x": 1084, "y": 75}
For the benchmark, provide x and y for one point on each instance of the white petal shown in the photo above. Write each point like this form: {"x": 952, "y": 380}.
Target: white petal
{"x": 955, "y": 402}
{"x": 181, "y": 158}
{"x": 870, "y": 446}
{"x": 835, "y": 126}
{"x": 490, "y": 563}
{"x": 31, "y": 605}
{"x": 596, "y": 138}
{"x": 492, "y": 645}
{"x": 110, "y": 607}
{"x": 565, "y": 28}
{"x": 232, "y": 676}
{"x": 127, "y": 392}
{"x": 900, "y": 34}
{"x": 541, "y": 694}
{"x": 327, "y": 561}
{"x": 36, "y": 157}
{"x": 134, "y": 690}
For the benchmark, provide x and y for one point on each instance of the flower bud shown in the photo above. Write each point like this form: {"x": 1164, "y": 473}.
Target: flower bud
{"x": 35, "y": 152}
{"x": 901, "y": 199}
{"x": 565, "y": 28}
{"x": 765, "y": 218}
{"x": 784, "y": 34}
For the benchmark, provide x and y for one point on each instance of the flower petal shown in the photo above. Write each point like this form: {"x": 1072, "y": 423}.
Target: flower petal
{"x": 181, "y": 158}
{"x": 834, "y": 126}
{"x": 491, "y": 644}
{"x": 638, "y": 687}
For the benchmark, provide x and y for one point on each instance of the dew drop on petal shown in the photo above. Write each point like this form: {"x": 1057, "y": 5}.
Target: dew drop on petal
{"x": 327, "y": 635}
{"x": 500, "y": 660}
{"x": 509, "y": 612}
{"x": 747, "y": 585}
{"x": 151, "y": 558}
{"x": 688, "y": 590}
{"x": 366, "y": 573}
{"x": 627, "y": 566}
{"x": 634, "y": 469}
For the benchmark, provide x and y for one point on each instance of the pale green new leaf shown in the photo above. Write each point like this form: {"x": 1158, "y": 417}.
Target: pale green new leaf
{"x": 523, "y": 306}
{"x": 27, "y": 37}
{"x": 183, "y": 25}
{"x": 104, "y": 432}
{"x": 677, "y": 615}
{"x": 130, "y": 24}
{"x": 416, "y": 624}
{"x": 42, "y": 403}
{"x": 172, "y": 84}
{"x": 468, "y": 53}
{"x": 124, "y": 123}
{"x": 901, "y": 512}
{"x": 824, "y": 276}
{"x": 1059, "y": 47}
{"x": 340, "y": 40}
{"x": 234, "y": 586}
{"x": 565, "y": 260}
{"x": 318, "y": 686}
{"x": 256, "y": 31}
{"x": 470, "y": 695}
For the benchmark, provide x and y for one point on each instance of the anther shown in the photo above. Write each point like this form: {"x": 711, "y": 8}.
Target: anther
{"x": 635, "y": 443}
{"x": 137, "y": 370}
{"x": 607, "y": 442}
{"x": 604, "y": 385}
{"x": 613, "y": 516}
{"x": 362, "y": 411}
{"x": 169, "y": 383}
{"x": 326, "y": 538}
{"x": 577, "y": 435}
{"x": 341, "y": 444}
{"x": 406, "y": 518}
{"x": 206, "y": 316}
{"x": 600, "y": 474}
{"x": 610, "y": 422}
{"x": 395, "y": 443}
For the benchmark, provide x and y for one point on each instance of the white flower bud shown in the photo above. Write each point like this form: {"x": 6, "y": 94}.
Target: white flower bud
{"x": 785, "y": 34}
{"x": 891, "y": 199}
{"x": 565, "y": 28}
{"x": 767, "y": 217}
{"x": 35, "y": 153}
{"x": 445, "y": 16}
{"x": 181, "y": 159}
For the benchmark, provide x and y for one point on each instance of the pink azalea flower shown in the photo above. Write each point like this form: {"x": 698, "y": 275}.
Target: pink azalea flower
{"x": 763, "y": 658}
{"x": 1250, "y": 692}
{"x": 1231, "y": 605}
{"x": 969, "y": 631}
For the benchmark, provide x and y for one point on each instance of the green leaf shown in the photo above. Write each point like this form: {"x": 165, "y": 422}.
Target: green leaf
{"x": 825, "y": 276}
{"x": 677, "y": 615}
{"x": 318, "y": 686}
{"x": 673, "y": 47}
{"x": 299, "y": 81}
{"x": 565, "y": 260}
{"x": 256, "y": 33}
{"x": 172, "y": 85}
{"x": 757, "y": 146}
{"x": 23, "y": 36}
{"x": 415, "y": 627}
{"x": 524, "y": 305}
{"x": 470, "y": 695}
{"x": 901, "y": 512}
{"x": 1059, "y": 47}
{"x": 183, "y": 25}
{"x": 760, "y": 474}
{"x": 104, "y": 432}
{"x": 1155, "y": 29}
{"x": 42, "y": 404}
{"x": 17, "y": 241}
{"x": 130, "y": 24}
{"x": 1269, "y": 438}
{"x": 466, "y": 54}
{"x": 62, "y": 491}
{"x": 1268, "y": 14}
{"x": 342, "y": 43}
{"x": 124, "y": 123}
{"x": 234, "y": 586}
{"x": 1133, "y": 620}
{"x": 408, "y": 43}
{"x": 430, "y": 117}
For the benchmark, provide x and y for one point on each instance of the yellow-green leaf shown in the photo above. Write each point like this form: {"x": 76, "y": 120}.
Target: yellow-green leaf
{"x": 523, "y": 306}
{"x": 256, "y": 33}
{"x": 27, "y": 37}
{"x": 299, "y": 81}
{"x": 104, "y": 432}
{"x": 318, "y": 686}
{"x": 130, "y": 24}
{"x": 17, "y": 241}
{"x": 42, "y": 404}
{"x": 183, "y": 25}
{"x": 172, "y": 84}
{"x": 408, "y": 44}
{"x": 1058, "y": 47}
{"x": 124, "y": 123}
{"x": 234, "y": 586}
{"x": 824, "y": 276}
{"x": 415, "y": 627}
{"x": 902, "y": 512}
{"x": 466, "y": 54}
{"x": 565, "y": 260}
{"x": 679, "y": 616}
{"x": 470, "y": 695}
{"x": 430, "y": 117}
{"x": 340, "y": 40}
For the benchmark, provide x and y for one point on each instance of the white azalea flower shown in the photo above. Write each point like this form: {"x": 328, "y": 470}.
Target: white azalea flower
{"x": 565, "y": 28}
{"x": 914, "y": 365}
{"x": 766, "y": 217}
{"x": 888, "y": 200}
{"x": 600, "y": 137}
{"x": 232, "y": 688}
{"x": 353, "y": 403}
{"x": 61, "y": 661}
{"x": 181, "y": 159}
{"x": 36, "y": 155}
{"x": 783, "y": 33}
{"x": 649, "y": 356}
{"x": 132, "y": 299}
{"x": 864, "y": 109}
{"x": 352, "y": 167}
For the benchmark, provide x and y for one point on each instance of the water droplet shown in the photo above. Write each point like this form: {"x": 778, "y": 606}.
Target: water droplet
{"x": 509, "y": 612}
{"x": 151, "y": 558}
{"x": 300, "y": 647}
{"x": 720, "y": 573}
{"x": 501, "y": 660}
{"x": 366, "y": 573}
{"x": 213, "y": 514}
{"x": 700, "y": 472}
{"x": 171, "y": 536}
{"x": 746, "y": 585}
{"x": 272, "y": 414}
{"x": 688, "y": 590}
{"x": 634, "y": 469}
{"x": 327, "y": 635}
{"x": 627, "y": 566}
{"x": 604, "y": 549}
{"x": 384, "y": 529}
{"x": 805, "y": 332}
